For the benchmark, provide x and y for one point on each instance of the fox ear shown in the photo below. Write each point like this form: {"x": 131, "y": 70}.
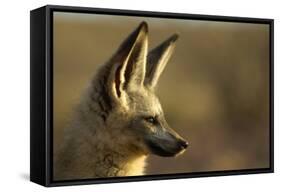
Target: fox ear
{"x": 157, "y": 60}
{"x": 129, "y": 62}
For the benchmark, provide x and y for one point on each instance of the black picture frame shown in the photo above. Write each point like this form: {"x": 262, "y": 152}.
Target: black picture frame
{"x": 41, "y": 99}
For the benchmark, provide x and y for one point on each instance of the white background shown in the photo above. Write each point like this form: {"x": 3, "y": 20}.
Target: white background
{"x": 14, "y": 95}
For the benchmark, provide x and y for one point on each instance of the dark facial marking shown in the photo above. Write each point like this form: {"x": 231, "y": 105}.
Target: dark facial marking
{"x": 168, "y": 146}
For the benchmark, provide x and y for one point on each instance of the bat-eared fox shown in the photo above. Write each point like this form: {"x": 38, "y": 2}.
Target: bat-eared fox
{"x": 119, "y": 120}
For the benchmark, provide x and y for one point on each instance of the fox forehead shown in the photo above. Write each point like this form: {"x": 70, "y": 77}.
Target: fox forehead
{"x": 145, "y": 102}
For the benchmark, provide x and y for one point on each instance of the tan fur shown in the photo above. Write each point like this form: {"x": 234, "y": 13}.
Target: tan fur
{"x": 109, "y": 135}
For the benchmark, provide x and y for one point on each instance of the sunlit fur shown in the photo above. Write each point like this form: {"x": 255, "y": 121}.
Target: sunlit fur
{"x": 112, "y": 130}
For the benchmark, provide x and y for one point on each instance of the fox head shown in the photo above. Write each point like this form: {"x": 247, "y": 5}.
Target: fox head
{"x": 129, "y": 108}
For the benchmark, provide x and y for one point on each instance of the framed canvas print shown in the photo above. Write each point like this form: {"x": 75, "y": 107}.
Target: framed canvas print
{"x": 119, "y": 95}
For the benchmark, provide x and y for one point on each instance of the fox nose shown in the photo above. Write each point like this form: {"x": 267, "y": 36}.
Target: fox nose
{"x": 183, "y": 144}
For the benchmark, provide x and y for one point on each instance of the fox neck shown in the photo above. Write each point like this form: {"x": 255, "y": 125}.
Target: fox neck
{"x": 111, "y": 163}
{"x": 104, "y": 154}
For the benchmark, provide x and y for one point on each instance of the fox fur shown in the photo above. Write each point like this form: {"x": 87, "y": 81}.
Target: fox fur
{"x": 119, "y": 120}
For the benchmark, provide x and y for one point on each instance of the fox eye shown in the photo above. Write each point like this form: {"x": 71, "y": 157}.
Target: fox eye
{"x": 151, "y": 120}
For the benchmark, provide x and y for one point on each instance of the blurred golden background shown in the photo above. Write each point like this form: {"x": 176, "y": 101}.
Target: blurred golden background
{"x": 214, "y": 91}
